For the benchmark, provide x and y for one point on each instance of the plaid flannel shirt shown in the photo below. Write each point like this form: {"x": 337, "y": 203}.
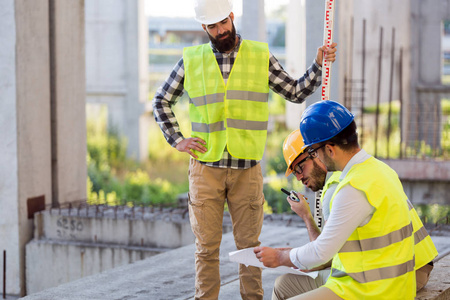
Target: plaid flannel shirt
{"x": 280, "y": 82}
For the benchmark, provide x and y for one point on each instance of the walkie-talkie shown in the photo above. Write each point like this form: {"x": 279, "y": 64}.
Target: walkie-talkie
{"x": 291, "y": 195}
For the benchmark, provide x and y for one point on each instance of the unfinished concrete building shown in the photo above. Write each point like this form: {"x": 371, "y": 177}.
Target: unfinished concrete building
{"x": 43, "y": 137}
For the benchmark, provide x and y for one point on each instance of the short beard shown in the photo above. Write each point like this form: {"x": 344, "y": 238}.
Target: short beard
{"x": 318, "y": 176}
{"x": 226, "y": 44}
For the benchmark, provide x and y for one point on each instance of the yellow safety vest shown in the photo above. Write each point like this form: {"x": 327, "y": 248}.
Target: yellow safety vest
{"x": 233, "y": 115}
{"x": 424, "y": 248}
{"x": 334, "y": 178}
{"x": 377, "y": 260}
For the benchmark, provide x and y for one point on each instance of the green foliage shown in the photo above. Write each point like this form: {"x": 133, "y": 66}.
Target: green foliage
{"x": 159, "y": 149}
{"x": 276, "y": 163}
{"x": 273, "y": 153}
{"x": 277, "y": 104}
{"x": 115, "y": 180}
{"x": 383, "y": 147}
{"x": 445, "y": 104}
{"x": 433, "y": 213}
{"x": 141, "y": 190}
{"x": 274, "y": 197}
{"x": 384, "y": 108}
{"x": 389, "y": 146}
{"x": 446, "y": 79}
{"x": 446, "y": 137}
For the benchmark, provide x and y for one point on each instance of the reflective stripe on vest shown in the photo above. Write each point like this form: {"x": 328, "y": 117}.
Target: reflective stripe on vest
{"x": 234, "y": 115}
{"x": 249, "y": 125}
{"x": 218, "y": 126}
{"x": 377, "y": 260}
{"x": 424, "y": 248}
{"x": 238, "y": 95}
{"x": 208, "y": 99}
{"x": 421, "y": 233}
{"x": 207, "y": 128}
{"x": 378, "y": 242}
{"x": 377, "y": 274}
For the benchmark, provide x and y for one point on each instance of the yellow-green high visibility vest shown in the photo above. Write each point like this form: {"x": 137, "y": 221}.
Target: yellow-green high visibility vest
{"x": 424, "y": 248}
{"x": 377, "y": 260}
{"x": 334, "y": 178}
{"x": 233, "y": 115}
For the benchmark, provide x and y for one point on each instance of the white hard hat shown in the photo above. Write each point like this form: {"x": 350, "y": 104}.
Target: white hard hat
{"x": 211, "y": 11}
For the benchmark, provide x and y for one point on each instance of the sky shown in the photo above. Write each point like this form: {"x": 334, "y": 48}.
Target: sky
{"x": 184, "y": 8}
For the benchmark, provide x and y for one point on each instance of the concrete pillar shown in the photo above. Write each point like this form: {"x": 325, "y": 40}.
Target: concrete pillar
{"x": 117, "y": 65}
{"x": 315, "y": 12}
{"x": 359, "y": 51}
{"x": 253, "y": 22}
{"x": 42, "y": 140}
{"x": 384, "y": 14}
{"x": 295, "y": 55}
{"x": 68, "y": 101}
{"x": 425, "y": 65}
{"x": 429, "y": 16}
{"x": 25, "y": 144}
{"x": 304, "y": 35}
{"x": 345, "y": 50}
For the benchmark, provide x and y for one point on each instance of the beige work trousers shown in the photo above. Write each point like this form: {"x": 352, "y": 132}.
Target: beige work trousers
{"x": 291, "y": 286}
{"x": 209, "y": 188}
{"x": 422, "y": 276}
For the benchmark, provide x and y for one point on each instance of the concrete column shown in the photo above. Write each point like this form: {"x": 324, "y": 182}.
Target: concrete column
{"x": 117, "y": 65}
{"x": 425, "y": 66}
{"x": 68, "y": 101}
{"x": 42, "y": 141}
{"x": 295, "y": 55}
{"x": 25, "y": 122}
{"x": 136, "y": 40}
{"x": 315, "y": 12}
{"x": 253, "y": 23}
{"x": 304, "y": 35}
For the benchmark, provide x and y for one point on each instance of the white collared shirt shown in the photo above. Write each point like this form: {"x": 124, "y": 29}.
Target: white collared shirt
{"x": 350, "y": 210}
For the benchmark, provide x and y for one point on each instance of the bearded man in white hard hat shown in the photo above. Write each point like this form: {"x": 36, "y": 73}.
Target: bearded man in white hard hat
{"x": 228, "y": 84}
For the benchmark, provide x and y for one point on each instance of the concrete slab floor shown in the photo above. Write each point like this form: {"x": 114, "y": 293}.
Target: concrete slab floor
{"x": 171, "y": 275}
{"x": 8, "y": 297}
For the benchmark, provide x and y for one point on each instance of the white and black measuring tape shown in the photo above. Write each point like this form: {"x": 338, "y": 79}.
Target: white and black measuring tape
{"x": 326, "y": 80}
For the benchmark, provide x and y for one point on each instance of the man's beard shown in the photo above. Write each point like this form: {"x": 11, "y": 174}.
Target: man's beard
{"x": 317, "y": 177}
{"x": 226, "y": 44}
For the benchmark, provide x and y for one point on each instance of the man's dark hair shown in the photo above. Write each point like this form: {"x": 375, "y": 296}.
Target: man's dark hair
{"x": 347, "y": 139}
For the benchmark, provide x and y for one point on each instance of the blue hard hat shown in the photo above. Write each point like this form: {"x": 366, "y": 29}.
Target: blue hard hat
{"x": 323, "y": 120}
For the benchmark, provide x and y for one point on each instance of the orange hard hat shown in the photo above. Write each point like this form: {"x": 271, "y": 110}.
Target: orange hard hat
{"x": 293, "y": 146}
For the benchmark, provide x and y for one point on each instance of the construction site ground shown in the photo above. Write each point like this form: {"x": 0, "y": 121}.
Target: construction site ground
{"x": 171, "y": 275}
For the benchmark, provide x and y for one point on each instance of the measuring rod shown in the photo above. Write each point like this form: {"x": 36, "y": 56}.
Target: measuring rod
{"x": 326, "y": 80}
